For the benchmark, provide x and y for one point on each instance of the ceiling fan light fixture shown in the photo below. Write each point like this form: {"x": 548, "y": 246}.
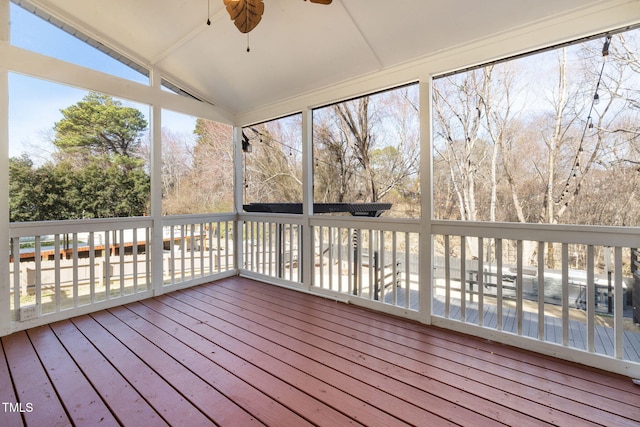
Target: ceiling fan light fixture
{"x": 245, "y": 14}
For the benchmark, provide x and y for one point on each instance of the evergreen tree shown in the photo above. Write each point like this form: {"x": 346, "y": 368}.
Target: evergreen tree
{"x": 97, "y": 173}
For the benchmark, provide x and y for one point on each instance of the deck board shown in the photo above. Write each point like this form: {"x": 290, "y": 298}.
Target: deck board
{"x": 273, "y": 356}
{"x": 544, "y": 367}
{"x": 348, "y": 343}
{"x": 8, "y": 418}
{"x": 320, "y": 353}
{"x": 474, "y": 371}
{"x": 466, "y": 374}
{"x": 198, "y": 352}
{"x": 207, "y": 399}
{"x": 125, "y": 403}
{"x": 239, "y": 352}
{"x": 168, "y": 402}
{"x": 38, "y": 399}
{"x": 69, "y": 382}
{"x": 274, "y": 398}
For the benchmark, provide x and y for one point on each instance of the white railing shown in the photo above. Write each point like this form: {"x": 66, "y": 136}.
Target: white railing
{"x": 561, "y": 290}
{"x": 566, "y": 286}
{"x": 369, "y": 259}
{"x": 271, "y": 247}
{"x": 196, "y": 249}
{"x": 60, "y": 269}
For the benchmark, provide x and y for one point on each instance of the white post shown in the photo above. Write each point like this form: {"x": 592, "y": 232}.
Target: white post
{"x": 157, "y": 244}
{"x": 4, "y": 21}
{"x": 307, "y": 199}
{"x": 5, "y": 289}
{"x": 238, "y": 191}
{"x": 426, "y": 198}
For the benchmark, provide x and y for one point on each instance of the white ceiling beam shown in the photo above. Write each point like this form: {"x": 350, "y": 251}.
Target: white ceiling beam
{"x": 188, "y": 37}
{"x": 362, "y": 35}
{"x": 52, "y": 69}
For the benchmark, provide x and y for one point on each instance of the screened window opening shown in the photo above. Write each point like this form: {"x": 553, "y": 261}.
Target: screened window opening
{"x": 367, "y": 150}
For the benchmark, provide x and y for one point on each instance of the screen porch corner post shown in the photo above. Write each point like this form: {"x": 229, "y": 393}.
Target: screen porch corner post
{"x": 238, "y": 191}
{"x": 157, "y": 244}
{"x": 426, "y": 200}
{"x": 307, "y": 246}
{"x": 5, "y": 287}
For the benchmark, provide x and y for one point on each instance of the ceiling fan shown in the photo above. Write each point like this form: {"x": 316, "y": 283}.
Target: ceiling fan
{"x": 246, "y": 14}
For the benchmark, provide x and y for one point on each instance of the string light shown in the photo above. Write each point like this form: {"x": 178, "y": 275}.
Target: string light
{"x": 317, "y": 161}
{"x": 605, "y": 48}
{"x": 588, "y": 125}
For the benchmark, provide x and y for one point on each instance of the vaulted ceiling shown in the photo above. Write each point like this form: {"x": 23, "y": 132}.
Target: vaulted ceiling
{"x": 298, "y": 46}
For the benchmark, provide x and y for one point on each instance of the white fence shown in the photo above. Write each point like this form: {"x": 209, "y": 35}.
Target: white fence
{"x": 195, "y": 248}
{"x": 563, "y": 290}
{"x": 371, "y": 260}
{"x": 560, "y": 290}
{"x": 272, "y": 248}
{"x": 60, "y": 269}
{"x": 374, "y": 261}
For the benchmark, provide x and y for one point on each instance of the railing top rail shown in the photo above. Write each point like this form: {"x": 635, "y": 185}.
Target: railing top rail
{"x": 379, "y": 223}
{"x": 197, "y": 218}
{"x": 580, "y": 234}
{"x": 38, "y": 228}
{"x": 272, "y": 217}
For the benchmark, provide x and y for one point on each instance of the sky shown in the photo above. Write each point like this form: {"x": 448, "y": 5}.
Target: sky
{"x": 35, "y": 104}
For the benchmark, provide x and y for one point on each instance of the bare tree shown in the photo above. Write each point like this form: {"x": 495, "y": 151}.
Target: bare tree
{"x": 459, "y": 108}
{"x": 334, "y": 166}
{"x": 273, "y": 166}
{"x": 367, "y": 150}
{"x": 212, "y": 178}
{"x": 198, "y": 177}
{"x": 356, "y": 126}
{"x": 176, "y": 162}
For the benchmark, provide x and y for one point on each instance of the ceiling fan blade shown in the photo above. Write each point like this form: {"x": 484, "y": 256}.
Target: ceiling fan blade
{"x": 246, "y": 14}
{"x": 321, "y": 1}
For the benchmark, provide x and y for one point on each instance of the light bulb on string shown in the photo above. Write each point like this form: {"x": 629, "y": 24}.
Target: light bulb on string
{"x": 605, "y": 48}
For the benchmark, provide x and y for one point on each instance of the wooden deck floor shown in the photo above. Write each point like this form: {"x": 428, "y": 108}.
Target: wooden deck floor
{"x": 241, "y": 353}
